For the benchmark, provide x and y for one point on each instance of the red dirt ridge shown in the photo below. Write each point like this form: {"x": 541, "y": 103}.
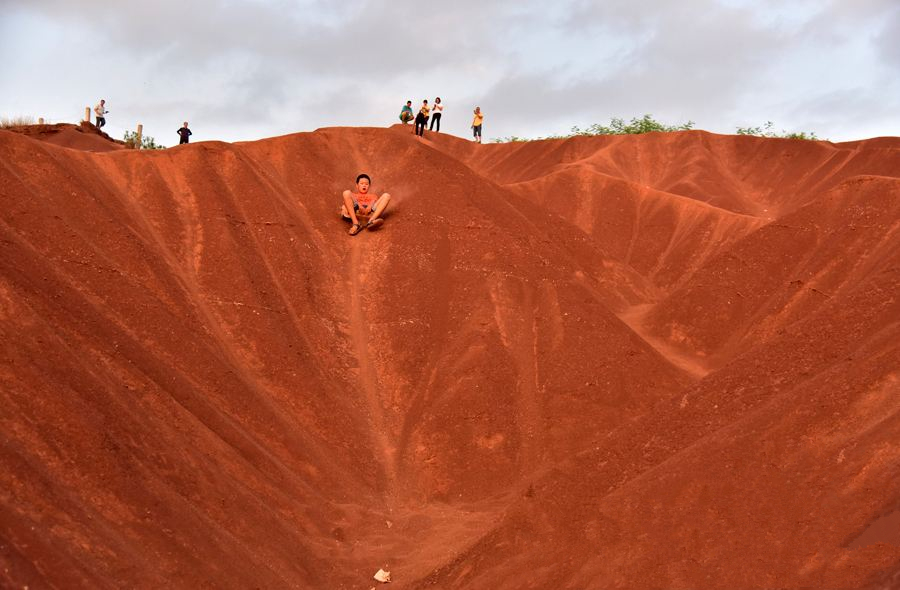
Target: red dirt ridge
{"x": 667, "y": 360}
{"x": 85, "y": 136}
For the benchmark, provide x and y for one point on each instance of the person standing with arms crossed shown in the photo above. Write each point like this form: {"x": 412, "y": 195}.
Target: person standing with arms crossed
{"x": 436, "y": 113}
{"x": 476, "y": 124}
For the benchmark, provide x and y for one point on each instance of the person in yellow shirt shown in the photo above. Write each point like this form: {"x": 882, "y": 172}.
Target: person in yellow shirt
{"x": 422, "y": 119}
{"x": 476, "y": 124}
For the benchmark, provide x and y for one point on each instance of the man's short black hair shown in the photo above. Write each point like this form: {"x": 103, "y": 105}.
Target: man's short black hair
{"x": 361, "y": 176}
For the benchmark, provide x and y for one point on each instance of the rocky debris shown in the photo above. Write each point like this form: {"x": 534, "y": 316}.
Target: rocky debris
{"x": 382, "y": 576}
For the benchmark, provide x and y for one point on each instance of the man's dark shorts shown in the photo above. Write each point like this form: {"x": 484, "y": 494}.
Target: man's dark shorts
{"x": 356, "y": 207}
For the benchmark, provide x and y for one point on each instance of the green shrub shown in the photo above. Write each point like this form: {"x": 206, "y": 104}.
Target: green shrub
{"x": 147, "y": 142}
{"x": 768, "y": 130}
{"x": 617, "y": 126}
{"x": 810, "y": 135}
{"x": 511, "y": 139}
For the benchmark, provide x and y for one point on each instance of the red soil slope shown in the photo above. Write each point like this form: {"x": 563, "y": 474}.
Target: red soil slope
{"x": 84, "y": 137}
{"x": 657, "y": 361}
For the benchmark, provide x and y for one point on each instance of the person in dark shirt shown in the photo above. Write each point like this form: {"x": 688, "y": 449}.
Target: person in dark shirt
{"x": 184, "y": 133}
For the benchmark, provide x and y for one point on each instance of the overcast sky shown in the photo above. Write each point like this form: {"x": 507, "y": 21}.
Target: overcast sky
{"x": 247, "y": 69}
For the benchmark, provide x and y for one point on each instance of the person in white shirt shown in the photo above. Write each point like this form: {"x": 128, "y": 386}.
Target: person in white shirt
{"x": 436, "y": 113}
{"x": 100, "y": 111}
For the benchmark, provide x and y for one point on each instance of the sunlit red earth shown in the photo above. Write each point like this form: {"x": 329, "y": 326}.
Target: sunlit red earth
{"x": 667, "y": 360}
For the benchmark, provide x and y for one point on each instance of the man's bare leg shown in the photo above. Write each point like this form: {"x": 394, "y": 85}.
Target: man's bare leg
{"x": 348, "y": 211}
{"x": 382, "y": 204}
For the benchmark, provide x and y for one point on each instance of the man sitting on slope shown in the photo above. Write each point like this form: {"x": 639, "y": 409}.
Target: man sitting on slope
{"x": 364, "y": 203}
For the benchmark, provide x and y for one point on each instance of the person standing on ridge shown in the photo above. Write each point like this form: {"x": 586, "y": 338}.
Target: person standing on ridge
{"x": 406, "y": 114}
{"x": 476, "y": 124}
{"x": 100, "y": 112}
{"x": 184, "y": 133}
{"x": 422, "y": 119}
{"x": 436, "y": 115}
{"x": 362, "y": 202}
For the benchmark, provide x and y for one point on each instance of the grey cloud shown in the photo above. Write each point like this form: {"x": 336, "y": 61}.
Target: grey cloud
{"x": 376, "y": 35}
{"x": 679, "y": 67}
{"x": 695, "y": 53}
{"x": 559, "y": 107}
{"x": 853, "y": 113}
{"x": 888, "y": 42}
{"x": 840, "y": 21}
{"x": 615, "y": 15}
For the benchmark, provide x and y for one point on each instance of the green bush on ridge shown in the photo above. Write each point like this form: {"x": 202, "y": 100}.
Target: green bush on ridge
{"x": 767, "y": 131}
{"x": 147, "y": 142}
{"x": 647, "y": 124}
{"x": 617, "y": 126}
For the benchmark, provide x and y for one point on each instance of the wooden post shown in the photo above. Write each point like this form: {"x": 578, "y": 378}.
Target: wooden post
{"x": 140, "y": 133}
{"x": 40, "y": 120}
{"x": 87, "y": 114}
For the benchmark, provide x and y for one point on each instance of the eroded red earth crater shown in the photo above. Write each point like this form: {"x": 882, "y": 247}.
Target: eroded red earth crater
{"x": 668, "y": 360}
